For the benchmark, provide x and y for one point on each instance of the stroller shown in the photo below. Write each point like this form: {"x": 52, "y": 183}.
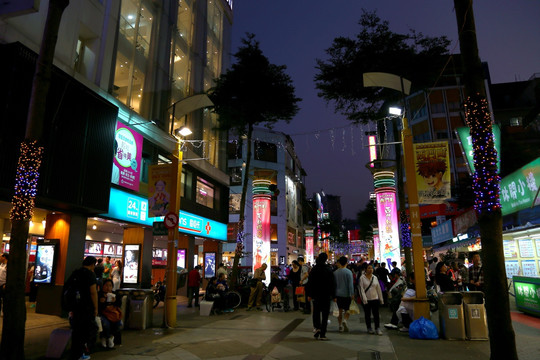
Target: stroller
{"x": 279, "y": 290}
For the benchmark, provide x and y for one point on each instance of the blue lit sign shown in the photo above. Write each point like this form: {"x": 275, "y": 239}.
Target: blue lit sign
{"x": 133, "y": 208}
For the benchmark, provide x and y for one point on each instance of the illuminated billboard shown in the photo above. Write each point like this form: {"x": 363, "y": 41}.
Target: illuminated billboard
{"x": 388, "y": 227}
{"x": 309, "y": 249}
{"x": 261, "y": 232}
{"x": 372, "y": 149}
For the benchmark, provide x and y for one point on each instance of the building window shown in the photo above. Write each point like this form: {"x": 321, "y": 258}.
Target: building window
{"x": 442, "y": 135}
{"x": 437, "y": 108}
{"x": 234, "y": 150}
{"x": 235, "y": 174}
{"x": 234, "y": 203}
{"x": 515, "y": 121}
{"x": 205, "y": 193}
{"x": 265, "y": 151}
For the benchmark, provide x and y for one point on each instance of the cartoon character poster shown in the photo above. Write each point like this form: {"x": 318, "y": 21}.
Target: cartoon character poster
{"x": 159, "y": 190}
{"x": 388, "y": 227}
{"x": 127, "y": 157}
{"x": 432, "y": 168}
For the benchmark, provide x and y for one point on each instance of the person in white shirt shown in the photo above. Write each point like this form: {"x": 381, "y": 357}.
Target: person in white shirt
{"x": 372, "y": 296}
{"x": 405, "y": 312}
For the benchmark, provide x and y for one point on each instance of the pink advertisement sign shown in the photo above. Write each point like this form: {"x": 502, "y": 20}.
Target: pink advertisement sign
{"x": 388, "y": 227}
{"x": 261, "y": 232}
{"x": 309, "y": 249}
{"x": 376, "y": 248}
{"x": 127, "y": 157}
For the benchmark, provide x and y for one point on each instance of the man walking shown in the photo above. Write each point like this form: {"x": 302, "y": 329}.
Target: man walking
{"x": 194, "y": 284}
{"x": 321, "y": 288}
{"x": 344, "y": 292}
{"x": 476, "y": 275}
{"x": 107, "y": 268}
{"x": 304, "y": 273}
{"x": 84, "y": 307}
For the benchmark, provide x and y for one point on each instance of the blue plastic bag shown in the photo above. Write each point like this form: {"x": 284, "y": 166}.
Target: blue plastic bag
{"x": 423, "y": 329}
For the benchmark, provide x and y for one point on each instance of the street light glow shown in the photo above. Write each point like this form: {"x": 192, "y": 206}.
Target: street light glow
{"x": 394, "y": 110}
{"x": 184, "y": 131}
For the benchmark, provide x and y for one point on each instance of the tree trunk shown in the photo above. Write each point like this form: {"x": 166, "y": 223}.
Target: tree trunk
{"x": 241, "y": 222}
{"x": 26, "y": 180}
{"x": 486, "y": 187}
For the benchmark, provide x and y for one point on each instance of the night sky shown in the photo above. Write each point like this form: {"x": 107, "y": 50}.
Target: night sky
{"x": 296, "y": 32}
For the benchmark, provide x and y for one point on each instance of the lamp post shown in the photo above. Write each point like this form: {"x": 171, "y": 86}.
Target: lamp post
{"x": 172, "y": 243}
{"x": 421, "y": 304}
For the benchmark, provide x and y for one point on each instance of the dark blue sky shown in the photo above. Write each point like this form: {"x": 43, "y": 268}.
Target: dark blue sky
{"x": 296, "y": 32}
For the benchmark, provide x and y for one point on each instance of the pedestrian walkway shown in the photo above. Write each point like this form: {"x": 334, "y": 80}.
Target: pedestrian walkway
{"x": 277, "y": 335}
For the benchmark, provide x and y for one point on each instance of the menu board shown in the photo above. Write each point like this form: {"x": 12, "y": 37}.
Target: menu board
{"x": 510, "y": 248}
{"x": 526, "y": 249}
{"x": 109, "y": 249}
{"x": 512, "y": 268}
{"x": 538, "y": 247}
{"x": 529, "y": 268}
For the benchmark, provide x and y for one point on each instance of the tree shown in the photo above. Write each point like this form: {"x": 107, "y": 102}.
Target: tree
{"x": 252, "y": 92}
{"x": 486, "y": 183}
{"x": 375, "y": 49}
{"x": 28, "y": 171}
{"x": 366, "y": 218}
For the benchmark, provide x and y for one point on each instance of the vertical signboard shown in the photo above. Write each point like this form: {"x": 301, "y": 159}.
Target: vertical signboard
{"x": 466, "y": 144}
{"x": 388, "y": 227}
{"x": 132, "y": 258}
{"x": 432, "y": 163}
{"x": 372, "y": 149}
{"x": 159, "y": 189}
{"x": 127, "y": 157}
{"x": 261, "y": 232}
{"x": 519, "y": 190}
{"x": 309, "y": 248}
{"x": 376, "y": 248}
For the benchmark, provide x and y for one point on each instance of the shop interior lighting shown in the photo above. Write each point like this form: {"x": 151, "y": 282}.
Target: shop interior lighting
{"x": 94, "y": 227}
{"x": 184, "y": 131}
{"x": 43, "y": 222}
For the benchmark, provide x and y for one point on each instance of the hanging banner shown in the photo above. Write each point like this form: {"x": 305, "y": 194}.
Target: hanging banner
{"x": 127, "y": 157}
{"x": 261, "y": 233}
{"x": 388, "y": 227}
{"x": 159, "y": 189}
{"x": 309, "y": 249}
{"x": 432, "y": 162}
{"x": 376, "y": 248}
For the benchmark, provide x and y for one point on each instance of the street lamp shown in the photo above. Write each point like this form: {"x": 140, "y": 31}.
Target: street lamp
{"x": 421, "y": 305}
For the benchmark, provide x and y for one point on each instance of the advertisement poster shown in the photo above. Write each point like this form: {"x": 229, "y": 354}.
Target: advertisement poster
{"x": 261, "y": 232}
{"x": 526, "y": 249}
{"x": 466, "y": 144}
{"x": 44, "y": 264}
{"x": 118, "y": 250}
{"x": 388, "y": 227}
{"x": 109, "y": 249}
{"x": 309, "y": 249}
{"x": 376, "y": 247}
{"x": 432, "y": 164}
{"x": 127, "y": 157}
{"x": 510, "y": 249}
{"x": 529, "y": 268}
{"x": 527, "y": 295}
{"x": 132, "y": 255}
{"x": 512, "y": 268}
{"x": 209, "y": 264}
{"x": 93, "y": 248}
{"x": 537, "y": 247}
{"x": 157, "y": 257}
{"x": 159, "y": 189}
{"x": 519, "y": 189}
{"x": 181, "y": 259}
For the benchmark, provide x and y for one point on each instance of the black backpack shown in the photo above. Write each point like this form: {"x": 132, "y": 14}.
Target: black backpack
{"x": 71, "y": 295}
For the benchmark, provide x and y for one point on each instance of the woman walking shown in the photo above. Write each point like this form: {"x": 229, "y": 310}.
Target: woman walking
{"x": 372, "y": 296}
{"x": 294, "y": 278}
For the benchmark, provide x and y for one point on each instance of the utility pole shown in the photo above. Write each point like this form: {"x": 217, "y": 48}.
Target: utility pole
{"x": 486, "y": 182}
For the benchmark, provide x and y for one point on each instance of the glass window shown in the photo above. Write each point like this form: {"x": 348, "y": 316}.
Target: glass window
{"x": 205, "y": 193}
{"x": 265, "y": 151}
{"x": 234, "y": 149}
{"x": 234, "y": 203}
{"x": 235, "y": 174}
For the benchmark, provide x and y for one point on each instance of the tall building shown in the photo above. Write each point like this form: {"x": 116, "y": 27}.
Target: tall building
{"x": 275, "y": 160}
{"x": 127, "y": 75}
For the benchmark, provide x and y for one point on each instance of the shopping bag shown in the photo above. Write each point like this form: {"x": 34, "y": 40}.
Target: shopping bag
{"x": 334, "y": 309}
{"x": 423, "y": 329}
{"x": 300, "y": 290}
{"x": 353, "y": 308}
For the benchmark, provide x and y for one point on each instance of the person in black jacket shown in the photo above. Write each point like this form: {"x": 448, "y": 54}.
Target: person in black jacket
{"x": 321, "y": 288}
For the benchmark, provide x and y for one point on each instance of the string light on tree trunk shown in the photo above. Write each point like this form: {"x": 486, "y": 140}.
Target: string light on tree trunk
{"x": 26, "y": 181}
{"x": 486, "y": 179}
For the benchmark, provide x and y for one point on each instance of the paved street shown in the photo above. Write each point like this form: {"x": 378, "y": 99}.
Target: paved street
{"x": 277, "y": 335}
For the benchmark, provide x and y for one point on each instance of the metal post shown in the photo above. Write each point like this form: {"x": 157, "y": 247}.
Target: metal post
{"x": 421, "y": 305}
{"x": 172, "y": 245}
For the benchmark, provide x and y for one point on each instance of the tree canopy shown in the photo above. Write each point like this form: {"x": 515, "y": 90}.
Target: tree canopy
{"x": 253, "y": 91}
{"x": 376, "y": 48}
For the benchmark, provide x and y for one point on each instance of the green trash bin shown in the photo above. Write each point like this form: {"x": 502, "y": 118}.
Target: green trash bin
{"x": 475, "y": 315}
{"x": 451, "y": 321}
{"x": 140, "y": 309}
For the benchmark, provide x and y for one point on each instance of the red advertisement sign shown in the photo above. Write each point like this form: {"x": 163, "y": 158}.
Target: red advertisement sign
{"x": 261, "y": 232}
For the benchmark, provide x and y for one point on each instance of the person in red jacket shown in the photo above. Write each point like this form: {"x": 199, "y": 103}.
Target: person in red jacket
{"x": 193, "y": 285}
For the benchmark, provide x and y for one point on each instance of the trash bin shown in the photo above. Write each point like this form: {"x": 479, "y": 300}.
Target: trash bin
{"x": 475, "y": 315}
{"x": 123, "y": 296}
{"x": 181, "y": 279}
{"x": 140, "y": 309}
{"x": 451, "y": 322}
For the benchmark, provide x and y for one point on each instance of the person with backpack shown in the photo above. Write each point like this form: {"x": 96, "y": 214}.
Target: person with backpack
{"x": 81, "y": 300}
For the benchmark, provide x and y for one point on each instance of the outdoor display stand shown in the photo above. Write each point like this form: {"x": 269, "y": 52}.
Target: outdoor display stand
{"x": 451, "y": 322}
{"x": 475, "y": 315}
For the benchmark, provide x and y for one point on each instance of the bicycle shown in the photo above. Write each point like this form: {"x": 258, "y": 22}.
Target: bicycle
{"x": 233, "y": 299}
